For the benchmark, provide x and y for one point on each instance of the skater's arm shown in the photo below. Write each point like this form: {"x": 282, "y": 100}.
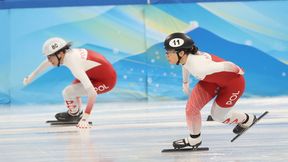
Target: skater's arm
{"x": 185, "y": 77}
{"x": 215, "y": 67}
{"x": 43, "y": 66}
{"x": 83, "y": 123}
{"x": 91, "y": 99}
{"x": 91, "y": 93}
{"x": 76, "y": 67}
{"x": 81, "y": 75}
{"x": 231, "y": 67}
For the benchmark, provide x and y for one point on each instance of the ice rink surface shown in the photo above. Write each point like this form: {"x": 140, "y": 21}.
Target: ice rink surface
{"x": 132, "y": 132}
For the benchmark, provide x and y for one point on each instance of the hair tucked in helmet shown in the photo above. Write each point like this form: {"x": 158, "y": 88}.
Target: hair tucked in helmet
{"x": 65, "y": 48}
{"x": 180, "y": 42}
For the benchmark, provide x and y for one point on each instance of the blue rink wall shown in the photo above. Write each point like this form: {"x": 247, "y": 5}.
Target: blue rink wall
{"x": 253, "y": 34}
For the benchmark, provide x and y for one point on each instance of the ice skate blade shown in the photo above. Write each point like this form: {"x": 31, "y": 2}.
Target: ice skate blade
{"x": 56, "y": 122}
{"x": 186, "y": 149}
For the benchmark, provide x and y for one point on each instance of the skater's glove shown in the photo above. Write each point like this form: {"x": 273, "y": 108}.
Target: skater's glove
{"x": 27, "y": 80}
{"x": 84, "y": 123}
{"x": 185, "y": 87}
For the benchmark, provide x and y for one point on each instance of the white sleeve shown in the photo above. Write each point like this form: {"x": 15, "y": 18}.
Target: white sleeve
{"x": 42, "y": 67}
{"x": 215, "y": 67}
{"x": 185, "y": 75}
{"x": 231, "y": 67}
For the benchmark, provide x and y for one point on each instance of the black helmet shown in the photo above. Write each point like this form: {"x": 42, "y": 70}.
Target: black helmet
{"x": 178, "y": 41}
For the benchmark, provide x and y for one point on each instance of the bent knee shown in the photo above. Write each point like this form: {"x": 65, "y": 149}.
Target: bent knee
{"x": 67, "y": 91}
{"x": 219, "y": 113}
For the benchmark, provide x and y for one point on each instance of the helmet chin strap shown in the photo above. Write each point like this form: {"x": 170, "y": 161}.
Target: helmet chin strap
{"x": 59, "y": 58}
{"x": 179, "y": 58}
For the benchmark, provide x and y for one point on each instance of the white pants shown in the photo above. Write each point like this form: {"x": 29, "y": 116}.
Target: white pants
{"x": 72, "y": 96}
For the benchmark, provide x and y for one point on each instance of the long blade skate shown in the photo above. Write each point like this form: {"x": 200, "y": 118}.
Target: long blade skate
{"x": 261, "y": 116}
{"x": 186, "y": 149}
{"x": 56, "y": 122}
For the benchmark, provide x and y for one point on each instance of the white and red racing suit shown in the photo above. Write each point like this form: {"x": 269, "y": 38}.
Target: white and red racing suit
{"x": 217, "y": 78}
{"x": 93, "y": 75}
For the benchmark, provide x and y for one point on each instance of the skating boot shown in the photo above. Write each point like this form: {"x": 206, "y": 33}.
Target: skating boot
{"x": 193, "y": 141}
{"x": 65, "y": 116}
{"x": 247, "y": 123}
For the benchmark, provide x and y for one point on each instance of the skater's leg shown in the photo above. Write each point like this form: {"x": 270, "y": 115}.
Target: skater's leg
{"x": 201, "y": 94}
{"x": 226, "y": 99}
{"x": 72, "y": 97}
{"x": 230, "y": 116}
{"x": 228, "y": 96}
{"x": 226, "y": 115}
